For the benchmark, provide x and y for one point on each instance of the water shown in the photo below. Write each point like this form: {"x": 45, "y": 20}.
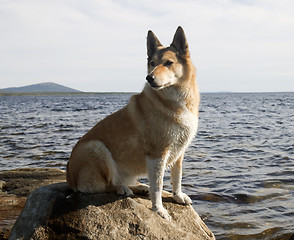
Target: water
{"x": 239, "y": 170}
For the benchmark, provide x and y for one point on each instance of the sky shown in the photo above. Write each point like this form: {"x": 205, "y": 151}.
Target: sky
{"x": 100, "y": 45}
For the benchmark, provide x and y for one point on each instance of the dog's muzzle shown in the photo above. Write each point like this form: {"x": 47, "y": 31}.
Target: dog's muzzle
{"x": 150, "y": 79}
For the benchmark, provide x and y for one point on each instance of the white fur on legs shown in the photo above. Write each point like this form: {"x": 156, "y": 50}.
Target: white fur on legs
{"x": 176, "y": 178}
{"x": 156, "y": 169}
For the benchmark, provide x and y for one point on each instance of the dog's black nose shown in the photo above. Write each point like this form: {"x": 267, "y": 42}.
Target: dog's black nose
{"x": 150, "y": 78}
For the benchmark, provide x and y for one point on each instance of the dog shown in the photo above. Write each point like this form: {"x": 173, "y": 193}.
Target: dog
{"x": 148, "y": 135}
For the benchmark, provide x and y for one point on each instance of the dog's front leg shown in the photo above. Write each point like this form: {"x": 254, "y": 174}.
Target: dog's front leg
{"x": 176, "y": 178}
{"x": 155, "y": 168}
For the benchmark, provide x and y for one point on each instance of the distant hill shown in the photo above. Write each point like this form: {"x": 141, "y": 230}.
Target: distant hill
{"x": 40, "y": 88}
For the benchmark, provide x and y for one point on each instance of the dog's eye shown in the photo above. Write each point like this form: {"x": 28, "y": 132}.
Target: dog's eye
{"x": 168, "y": 63}
{"x": 152, "y": 64}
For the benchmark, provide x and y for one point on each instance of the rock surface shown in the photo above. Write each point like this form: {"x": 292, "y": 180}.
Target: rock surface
{"x": 55, "y": 212}
{"x": 15, "y": 186}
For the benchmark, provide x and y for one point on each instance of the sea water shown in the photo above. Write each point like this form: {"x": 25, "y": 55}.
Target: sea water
{"x": 238, "y": 171}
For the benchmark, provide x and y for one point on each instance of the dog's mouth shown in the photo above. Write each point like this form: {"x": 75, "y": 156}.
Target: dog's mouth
{"x": 155, "y": 86}
{"x": 158, "y": 87}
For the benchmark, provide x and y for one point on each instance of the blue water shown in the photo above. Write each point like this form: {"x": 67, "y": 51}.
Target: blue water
{"x": 239, "y": 170}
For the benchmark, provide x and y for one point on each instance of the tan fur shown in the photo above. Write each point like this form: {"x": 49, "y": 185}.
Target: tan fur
{"x": 158, "y": 123}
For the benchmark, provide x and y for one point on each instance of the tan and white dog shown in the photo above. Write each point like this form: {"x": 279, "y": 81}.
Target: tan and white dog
{"x": 150, "y": 133}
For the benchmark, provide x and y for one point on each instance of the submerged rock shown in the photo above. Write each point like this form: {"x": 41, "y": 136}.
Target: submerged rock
{"x": 55, "y": 212}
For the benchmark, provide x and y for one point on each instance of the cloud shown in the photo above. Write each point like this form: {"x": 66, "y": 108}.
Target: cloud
{"x": 101, "y": 45}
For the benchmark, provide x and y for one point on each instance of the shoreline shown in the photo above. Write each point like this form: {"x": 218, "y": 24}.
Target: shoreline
{"x": 4, "y": 94}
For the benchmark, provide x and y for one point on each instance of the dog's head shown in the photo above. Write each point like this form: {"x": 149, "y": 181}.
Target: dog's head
{"x": 166, "y": 64}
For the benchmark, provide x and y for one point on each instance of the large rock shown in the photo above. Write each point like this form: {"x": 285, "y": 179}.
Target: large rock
{"x": 55, "y": 212}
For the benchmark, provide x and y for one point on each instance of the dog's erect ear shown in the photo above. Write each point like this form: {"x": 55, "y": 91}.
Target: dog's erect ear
{"x": 180, "y": 42}
{"x": 152, "y": 43}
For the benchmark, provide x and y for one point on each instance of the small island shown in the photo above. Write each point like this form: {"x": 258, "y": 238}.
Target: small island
{"x": 39, "y": 89}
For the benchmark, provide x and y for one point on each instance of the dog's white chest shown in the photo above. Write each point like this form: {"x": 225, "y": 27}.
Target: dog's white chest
{"x": 183, "y": 132}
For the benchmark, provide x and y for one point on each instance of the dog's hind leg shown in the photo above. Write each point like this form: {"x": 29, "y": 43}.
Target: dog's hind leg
{"x": 91, "y": 180}
{"x": 120, "y": 182}
{"x": 119, "y": 189}
{"x": 94, "y": 169}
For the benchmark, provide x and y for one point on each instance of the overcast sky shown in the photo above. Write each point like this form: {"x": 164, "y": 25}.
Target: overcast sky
{"x": 100, "y": 45}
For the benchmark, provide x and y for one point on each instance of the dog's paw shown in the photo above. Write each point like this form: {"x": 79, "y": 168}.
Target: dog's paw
{"x": 163, "y": 213}
{"x": 141, "y": 189}
{"x": 182, "y": 198}
{"x": 123, "y": 190}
